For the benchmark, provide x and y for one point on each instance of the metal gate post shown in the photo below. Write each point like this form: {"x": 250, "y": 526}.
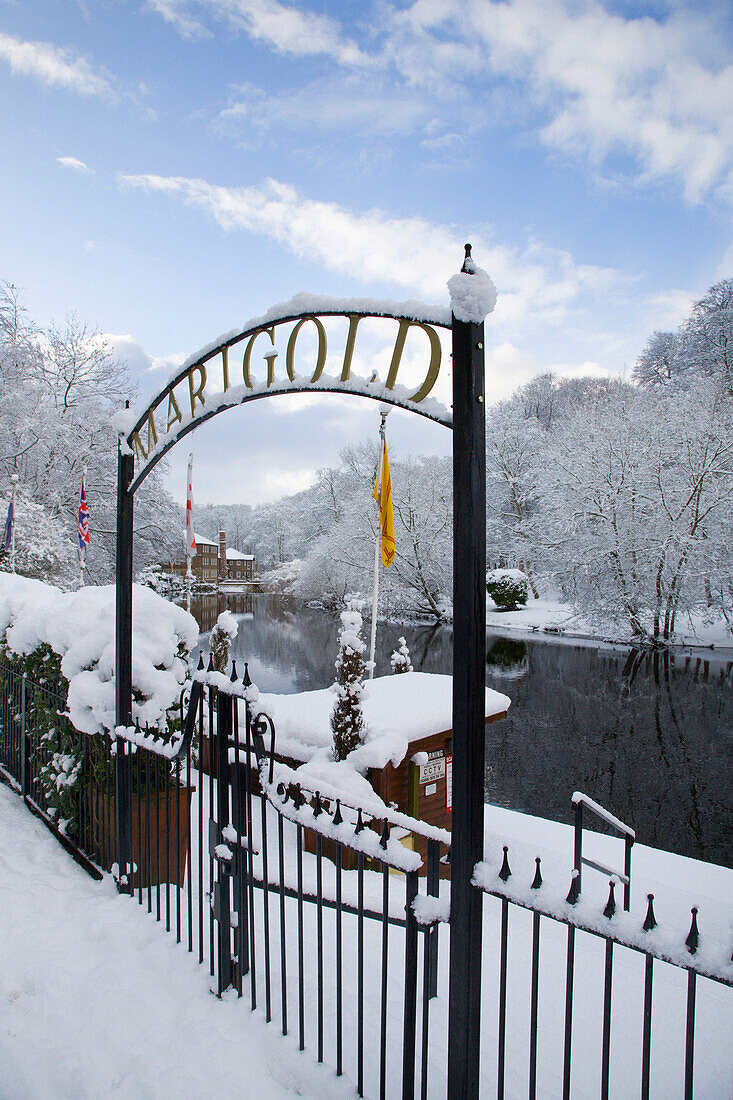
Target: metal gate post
{"x": 223, "y": 889}
{"x": 469, "y": 662}
{"x": 123, "y": 667}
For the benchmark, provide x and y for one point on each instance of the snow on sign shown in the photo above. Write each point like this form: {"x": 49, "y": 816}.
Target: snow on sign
{"x": 435, "y": 767}
{"x": 295, "y": 336}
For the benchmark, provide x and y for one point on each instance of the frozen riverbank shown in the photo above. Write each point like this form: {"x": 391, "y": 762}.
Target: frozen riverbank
{"x": 560, "y": 622}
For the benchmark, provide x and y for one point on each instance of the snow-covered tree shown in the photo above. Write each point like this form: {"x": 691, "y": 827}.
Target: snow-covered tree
{"x": 400, "y": 659}
{"x": 661, "y": 362}
{"x": 58, "y": 390}
{"x": 708, "y": 335}
{"x": 347, "y": 718}
{"x": 508, "y": 588}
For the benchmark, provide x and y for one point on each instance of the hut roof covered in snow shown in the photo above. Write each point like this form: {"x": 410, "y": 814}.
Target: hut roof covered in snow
{"x": 398, "y": 710}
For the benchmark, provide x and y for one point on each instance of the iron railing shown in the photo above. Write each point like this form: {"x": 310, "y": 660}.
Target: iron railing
{"x": 317, "y": 910}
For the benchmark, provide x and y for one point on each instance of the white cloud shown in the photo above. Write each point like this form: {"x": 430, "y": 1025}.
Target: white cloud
{"x": 598, "y": 81}
{"x": 75, "y": 163}
{"x": 669, "y": 308}
{"x": 285, "y": 28}
{"x": 343, "y": 102}
{"x": 508, "y": 367}
{"x": 54, "y": 65}
{"x": 148, "y": 371}
{"x": 536, "y": 283}
{"x": 659, "y": 89}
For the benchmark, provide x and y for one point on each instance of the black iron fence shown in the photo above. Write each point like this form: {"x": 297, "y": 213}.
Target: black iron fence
{"x": 320, "y": 911}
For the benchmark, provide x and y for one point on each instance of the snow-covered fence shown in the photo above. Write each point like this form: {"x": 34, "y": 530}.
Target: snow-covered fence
{"x": 346, "y": 931}
{"x": 575, "y": 984}
{"x": 52, "y": 765}
{"x": 309, "y": 902}
{"x": 67, "y": 778}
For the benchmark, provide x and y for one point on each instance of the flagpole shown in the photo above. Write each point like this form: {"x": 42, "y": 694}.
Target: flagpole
{"x": 189, "y": 530}
{"x": 375, "y": 594}
{"x": 82, "y": 550}
{"x": 14, "y": 478}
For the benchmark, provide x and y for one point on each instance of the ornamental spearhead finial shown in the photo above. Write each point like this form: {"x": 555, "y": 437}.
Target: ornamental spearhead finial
{"x": 468, "y": 264}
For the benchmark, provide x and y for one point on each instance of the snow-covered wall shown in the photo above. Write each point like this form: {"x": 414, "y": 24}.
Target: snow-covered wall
{"x": 80, "y": 627}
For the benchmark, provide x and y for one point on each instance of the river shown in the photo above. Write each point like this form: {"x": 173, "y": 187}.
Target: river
{"x": 649, "y": 736}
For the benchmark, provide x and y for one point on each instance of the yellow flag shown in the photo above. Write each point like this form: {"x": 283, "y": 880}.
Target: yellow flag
{"x": 383, "y": 493}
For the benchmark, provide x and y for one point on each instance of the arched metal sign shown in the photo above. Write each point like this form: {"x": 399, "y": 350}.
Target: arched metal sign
{"x": 240, "y": 367}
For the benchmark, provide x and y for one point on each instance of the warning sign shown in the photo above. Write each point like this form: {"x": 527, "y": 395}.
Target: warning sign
{"x": 435, "y": 767}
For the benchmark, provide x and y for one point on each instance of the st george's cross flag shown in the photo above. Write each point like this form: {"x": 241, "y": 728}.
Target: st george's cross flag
{"x": 190, "y": 536}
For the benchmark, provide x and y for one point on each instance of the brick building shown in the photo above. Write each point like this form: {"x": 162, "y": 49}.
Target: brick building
{"x": 217, "y": 564}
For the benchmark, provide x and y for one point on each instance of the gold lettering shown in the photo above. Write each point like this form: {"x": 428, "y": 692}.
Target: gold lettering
{"x": 141, "y": 450}
{"x": 138, "y": 445}
{"x": 354, "y": 319}
{"x": 173, "y": 408}
{"x": 269, "y": 359}
{"x": 433, "y": 367}
{"x": 322, "y": 349}
{"x": 152, "y": 432}
{"x": 225, "y": 367}
{"x": 197, "y": 393}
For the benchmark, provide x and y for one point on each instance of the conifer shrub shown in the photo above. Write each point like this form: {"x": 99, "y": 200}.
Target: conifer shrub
{"x": 221, "y": 639}
{"x": 508, "y": 588}
{"x": 347, "y": 717}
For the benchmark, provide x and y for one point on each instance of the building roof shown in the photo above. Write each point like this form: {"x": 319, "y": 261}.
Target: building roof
{"x": 234, "y": 555}
{"x": 200, "y": 540}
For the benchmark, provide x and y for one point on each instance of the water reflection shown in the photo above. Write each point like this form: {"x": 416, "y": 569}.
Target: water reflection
{"x": 507, "y": 658}
{"x": 648, "y": 735}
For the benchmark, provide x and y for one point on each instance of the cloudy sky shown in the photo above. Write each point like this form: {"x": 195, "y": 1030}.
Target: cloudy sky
{"x": 171, "y": 168}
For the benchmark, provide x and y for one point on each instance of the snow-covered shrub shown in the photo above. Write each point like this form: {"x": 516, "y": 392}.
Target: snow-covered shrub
{"x": 400, "y": 659}
{"x": 51, "y": 737}
{"x": 508, "y": 588}
{"x": 347, "y": 718}
{"x": 79, "y": 627}
{"x": 157, "y": 578}
{"x": 221, "y": 639}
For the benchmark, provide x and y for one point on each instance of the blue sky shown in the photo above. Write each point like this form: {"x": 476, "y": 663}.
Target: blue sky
{"x": 173, "y": 167}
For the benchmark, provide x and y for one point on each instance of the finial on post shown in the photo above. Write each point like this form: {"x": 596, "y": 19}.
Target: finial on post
{"x": 468, "y": 264}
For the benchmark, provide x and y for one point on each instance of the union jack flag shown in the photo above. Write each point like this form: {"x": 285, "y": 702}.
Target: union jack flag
{"x": 83, "y": 518}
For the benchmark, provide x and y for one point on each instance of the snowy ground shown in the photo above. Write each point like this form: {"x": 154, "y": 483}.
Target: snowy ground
{"x": 559, "y": 619}
{"x": 96, "y": 999}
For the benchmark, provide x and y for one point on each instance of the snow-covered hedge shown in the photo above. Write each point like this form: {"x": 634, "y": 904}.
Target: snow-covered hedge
{"x": 508, "y": 588}
{"x": 80, "y": 628}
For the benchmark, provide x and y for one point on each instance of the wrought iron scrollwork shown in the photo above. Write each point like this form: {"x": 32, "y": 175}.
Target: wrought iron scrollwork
{"x": 262, "y": 724}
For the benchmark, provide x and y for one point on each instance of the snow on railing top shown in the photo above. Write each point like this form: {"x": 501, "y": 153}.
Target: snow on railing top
{"x": 372, "y": 807}
{"x": 582, "y": 799}
{"x": 706, "y": 955}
